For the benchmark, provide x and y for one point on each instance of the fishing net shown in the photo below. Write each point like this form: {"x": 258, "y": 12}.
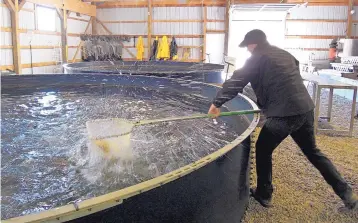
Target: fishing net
{"x": 111, "y": 137}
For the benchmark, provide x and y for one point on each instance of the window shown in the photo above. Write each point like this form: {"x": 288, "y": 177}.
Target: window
{"x": 46, "y": 19}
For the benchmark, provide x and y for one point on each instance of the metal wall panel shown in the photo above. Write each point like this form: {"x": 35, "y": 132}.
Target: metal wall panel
{"x": 319, "y": 12}
{"x": 170, "y": 13}
{"x": 131, "y": 42}
{"x": 39, "y": 39}
{"x": 355, "y": 15}
{"x": 38, "y": 55}
{"x": 189, "y": 41}
{"x": 215, "y": 26}
{"x": 6, "y": 57}
{"x": 26, "y": 20}
{"x": 307, "y": 43}
{"x": 5, "y": 18}
{"x": 315, "y": 28}
{"x": 71, "y": 53}
{"x": 122, "y": 14}
{"x": 178, "y": 28}
{"x": 303, "y": 56}
{"x": 74, "y": 15}
{"x": 127, "y": 28}
{"x": 76, "y": 26}
{"x": 72, "y": 41}
{"x": 5, "y": 39}
{"x": 217, "y": 13}
{"x": 28, "y": 5}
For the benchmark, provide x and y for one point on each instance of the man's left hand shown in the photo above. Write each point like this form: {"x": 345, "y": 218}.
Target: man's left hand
{"x": 214, "y": 111}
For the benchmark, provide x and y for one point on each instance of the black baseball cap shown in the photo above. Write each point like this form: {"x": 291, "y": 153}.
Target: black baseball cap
{"x": 255, "y": 36}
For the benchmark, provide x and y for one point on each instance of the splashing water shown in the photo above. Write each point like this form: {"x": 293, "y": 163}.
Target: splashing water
{"x": 47, "y": 159}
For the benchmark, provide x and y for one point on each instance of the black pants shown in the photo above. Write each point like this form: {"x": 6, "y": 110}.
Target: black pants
{"x": 300, "y": 127}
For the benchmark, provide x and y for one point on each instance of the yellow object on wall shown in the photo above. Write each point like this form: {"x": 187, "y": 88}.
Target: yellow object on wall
{"x": 140, "y": 49}
{"x": 163, "y": 49}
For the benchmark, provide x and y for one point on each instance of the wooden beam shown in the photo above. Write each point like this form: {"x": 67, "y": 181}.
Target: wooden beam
{"x": 32, "y": 47}
{"x": 94, "y": 23}
{"x": 5, "y": 47}
{"x": 149, "y": 27}
{"x": 81, "y": 43}
{"x": 350, "y": 18}
{"x": 27, "y": 10}
{"x": 227, "y": 26}
{"x": 14, "y": 10}
{"x": 23, "y": 2}
{"x": 69, "y": 5}
{"x": 40, "y": 64}
{"x": 205, "y": 15}
{"x": 104, "y": 27}
{"x": 10, "y": 5}
{"x": 215, "y": 31}
{"x": 59, "y": 13}
{"x": 5, "y": 29}
{"x": 78, "y": 19}
{"x": 64, "y": 47}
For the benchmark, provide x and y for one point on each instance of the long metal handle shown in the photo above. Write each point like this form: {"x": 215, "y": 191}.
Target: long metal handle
{"x": 153, "y": 121}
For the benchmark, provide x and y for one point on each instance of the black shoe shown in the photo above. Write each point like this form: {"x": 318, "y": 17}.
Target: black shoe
{"x": 351, "y": 201}
{"x": 264, "y": 201}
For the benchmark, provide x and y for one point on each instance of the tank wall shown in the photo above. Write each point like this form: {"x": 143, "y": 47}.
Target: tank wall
{"x": 216, "y": 192}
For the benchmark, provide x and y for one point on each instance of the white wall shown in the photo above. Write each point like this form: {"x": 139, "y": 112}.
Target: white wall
{"x": 159, "y": 28}
{"x": 77, "y": 27}
{"x": 27, "y": 35}
{"x": 5, "y": 37}
{"x": 315, "y": 29}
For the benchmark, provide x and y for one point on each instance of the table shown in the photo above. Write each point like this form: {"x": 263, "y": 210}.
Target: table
{"x": 321, "y": 82}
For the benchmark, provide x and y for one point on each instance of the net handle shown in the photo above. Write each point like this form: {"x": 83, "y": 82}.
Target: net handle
{"x": 231, "y": 113}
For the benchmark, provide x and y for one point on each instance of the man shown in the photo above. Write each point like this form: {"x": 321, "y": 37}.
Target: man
{"x": 275, "y": 78}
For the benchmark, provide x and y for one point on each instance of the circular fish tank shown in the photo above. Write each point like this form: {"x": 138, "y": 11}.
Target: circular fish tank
{"x": 182, "y": 171}
{"x": 203, "y": 72}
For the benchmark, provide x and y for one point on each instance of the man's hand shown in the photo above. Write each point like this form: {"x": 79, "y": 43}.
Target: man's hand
{"x": 214, "y": 111}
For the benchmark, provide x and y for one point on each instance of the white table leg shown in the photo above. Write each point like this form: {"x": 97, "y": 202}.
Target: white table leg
{"x": 316, "y": 114}
{"x": 330, "y": 101}
{"x": 353, "y": 112}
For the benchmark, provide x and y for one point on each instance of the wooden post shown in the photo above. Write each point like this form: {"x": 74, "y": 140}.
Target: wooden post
{"x": 14, "y": 10}
{"x": 81, "y": 42}
{"x": 23, "y": 2}
{"x": 350, "y": 19}
{"x": 64, "y": 36}
{"x": 205, "y": 14}
{"x": 94, "y": 23}
{"x": 149, "y": 38}
{"x": 227, "y": 26}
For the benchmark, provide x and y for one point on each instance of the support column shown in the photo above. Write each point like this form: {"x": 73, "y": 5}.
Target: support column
{"x": 349, "y": 19}
{"x": 227, "y": 27}
{"x": 149, "y": 38}
{"x": 205, "y": 15}
{"x": 14, "y": 10}
{"x": 94, "y": 23}
{"x": 64, "y": 36}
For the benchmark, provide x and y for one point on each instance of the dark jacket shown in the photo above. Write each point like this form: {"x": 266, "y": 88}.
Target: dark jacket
{"x": 275, "y": 77}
